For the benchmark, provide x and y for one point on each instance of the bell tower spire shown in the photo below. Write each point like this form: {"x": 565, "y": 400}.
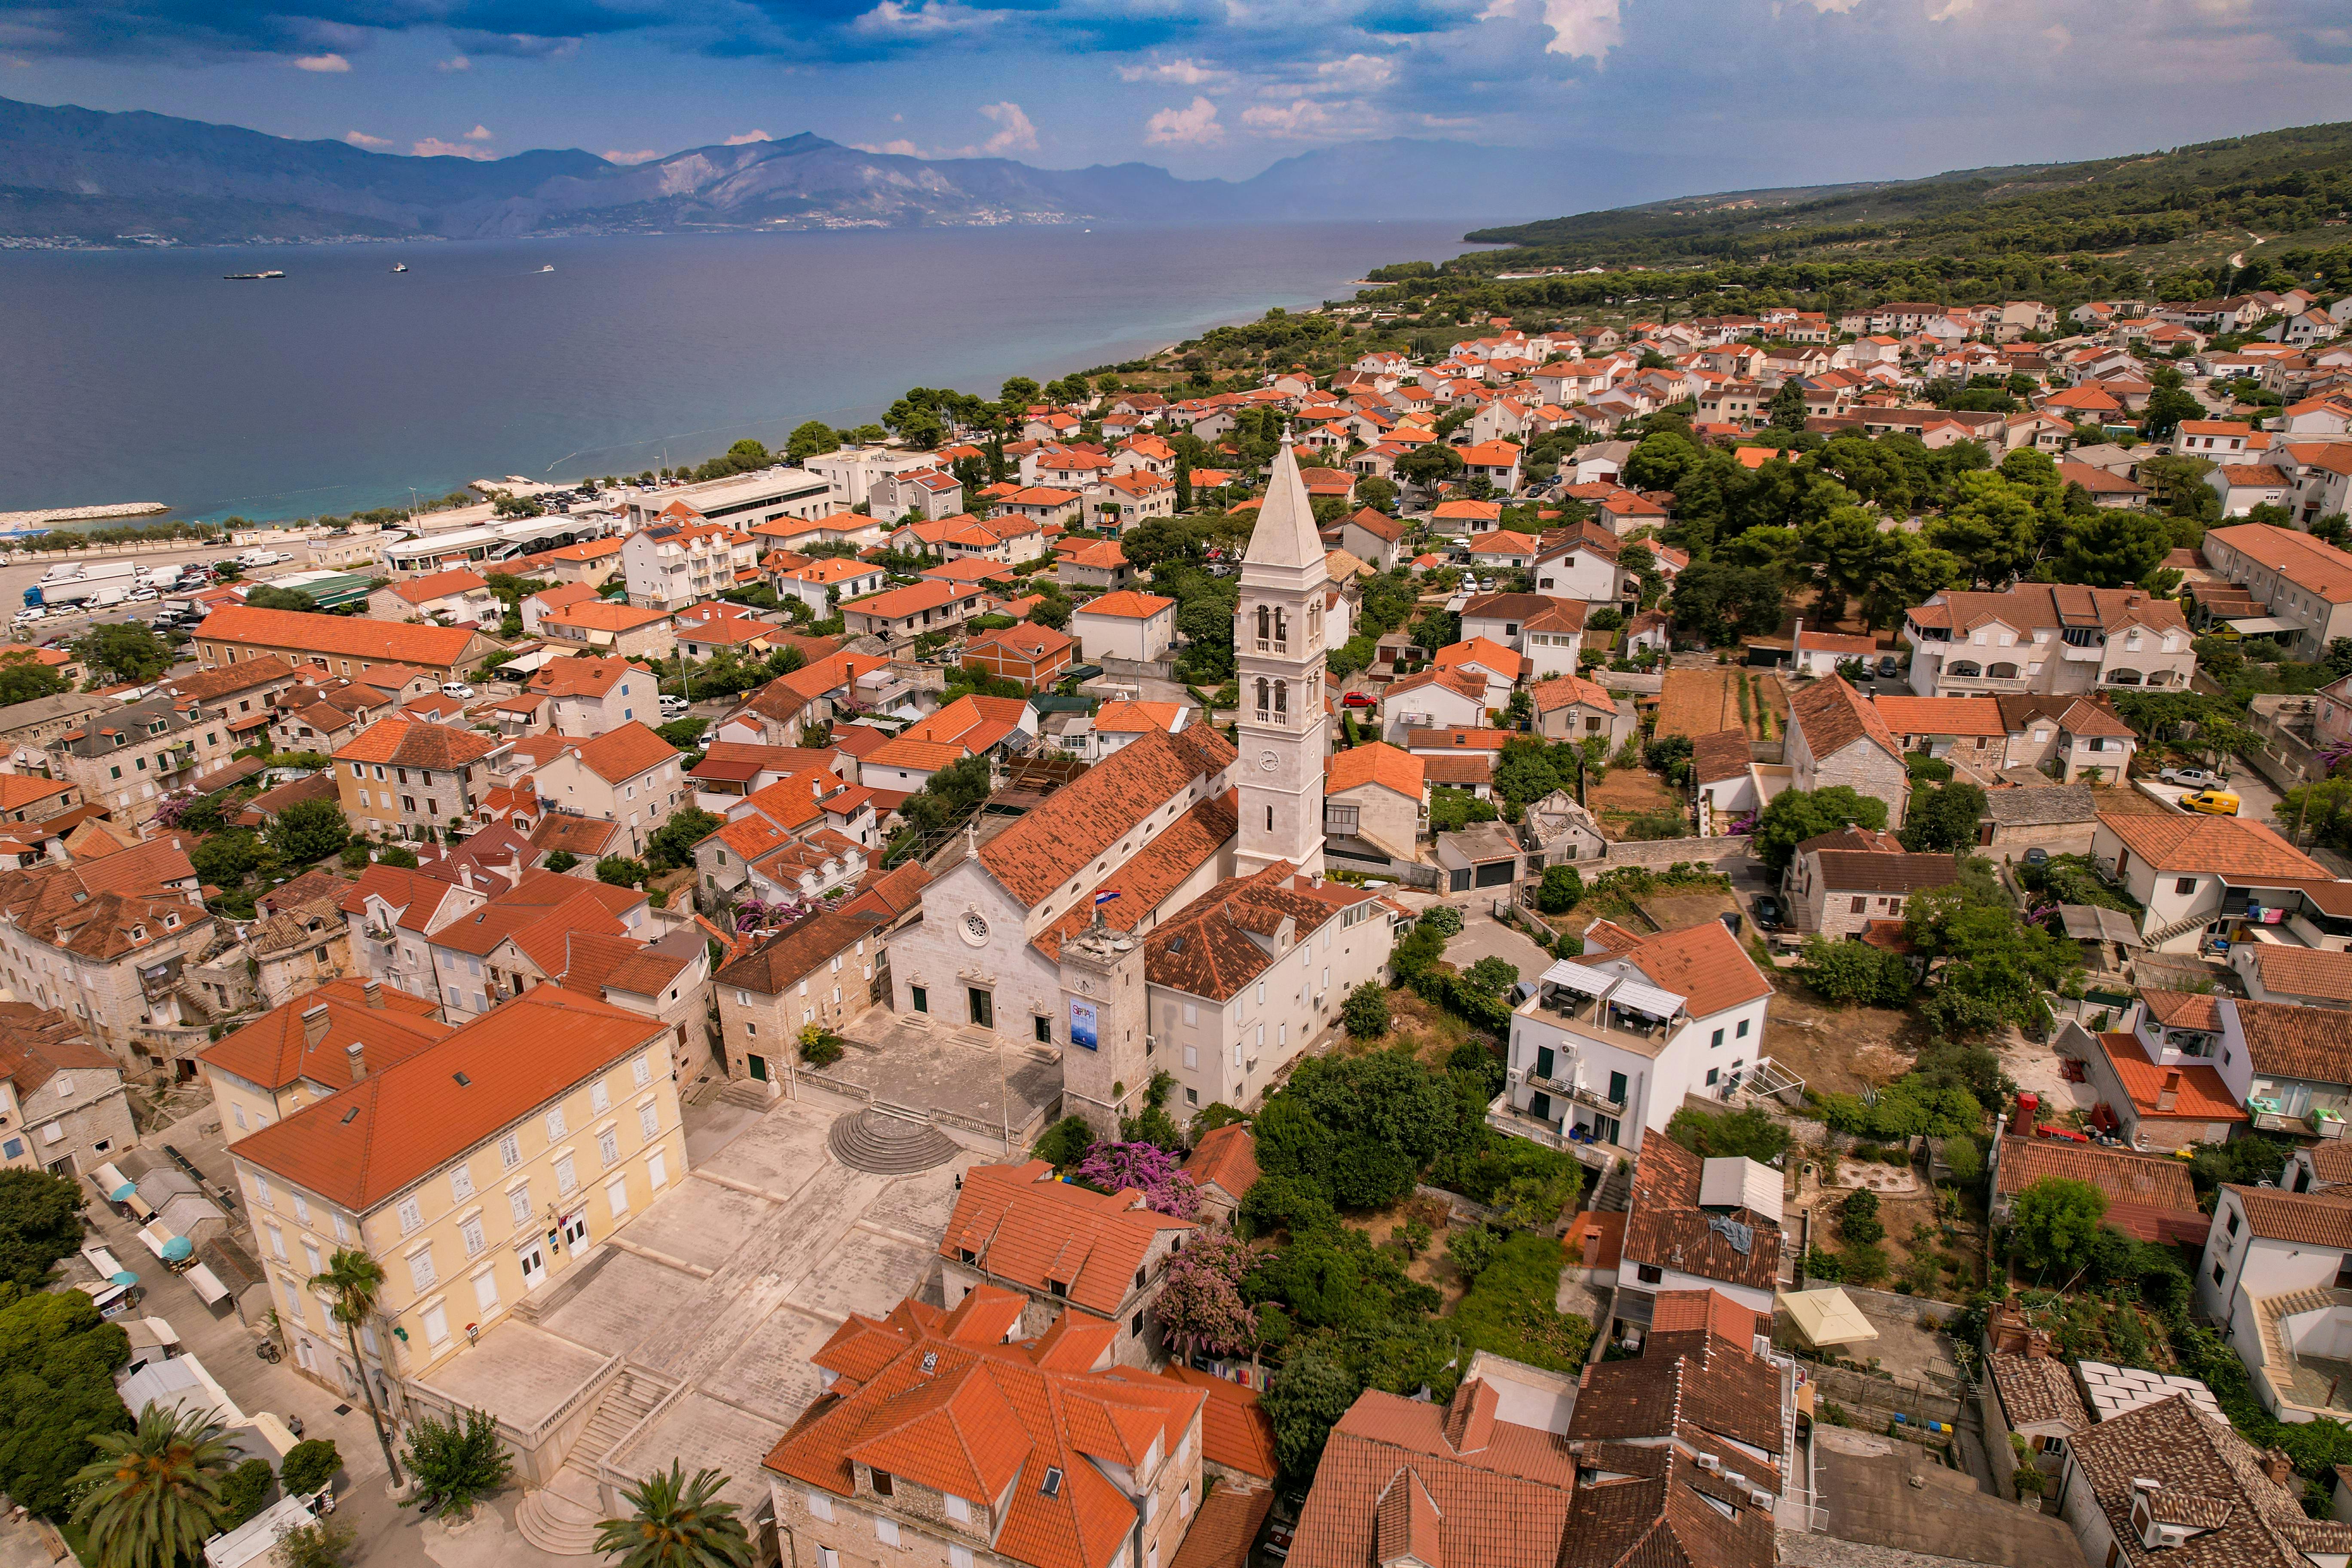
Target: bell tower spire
{"x": 1278, "y": 655}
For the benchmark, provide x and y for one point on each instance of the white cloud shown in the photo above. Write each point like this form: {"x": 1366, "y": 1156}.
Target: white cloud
{"x": 1301, "y": 117}
{"x": 746, "y": 138}
{"x": 362, "y": 139}
{"x": 322, "y": 63}
{"x": 1581, "y": 29}
{"x": 1182, "y": 72}
{"x": 1945, "y": 10}
{"x": 648, "y": 156}
{"x": 901, "y": 148}
{"x": 1837, "y": 7}
{"x": 1357, "y": 73}
{"x": 2058, "y": 34}
{"x": 1014, "y": 133}
{"x": 454, "y": 63}
{"x": 479, "y": 133}
{"x": 433, "y": 147}
{"x": 928, "y": 18}
{"x": 1195, "y": 125}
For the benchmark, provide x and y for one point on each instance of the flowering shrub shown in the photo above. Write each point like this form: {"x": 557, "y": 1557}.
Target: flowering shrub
{"x": 1146, "y": 1167}
{"x": 1200, "y": 1308}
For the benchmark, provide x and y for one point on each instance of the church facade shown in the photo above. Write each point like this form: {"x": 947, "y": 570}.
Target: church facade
{"x": 1166, "y": 911}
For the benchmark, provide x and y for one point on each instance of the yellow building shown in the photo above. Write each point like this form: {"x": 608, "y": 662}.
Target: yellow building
{"x": 475, "y": 1171}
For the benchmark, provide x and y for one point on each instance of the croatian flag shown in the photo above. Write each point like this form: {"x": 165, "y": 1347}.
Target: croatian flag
{"x": 1106, "y": 895}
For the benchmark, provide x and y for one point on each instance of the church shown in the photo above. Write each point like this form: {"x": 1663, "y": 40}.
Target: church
{"x": 1167, "y": 910}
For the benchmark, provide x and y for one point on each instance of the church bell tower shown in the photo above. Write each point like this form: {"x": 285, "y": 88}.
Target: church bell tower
{"x": 1279, "y": 651}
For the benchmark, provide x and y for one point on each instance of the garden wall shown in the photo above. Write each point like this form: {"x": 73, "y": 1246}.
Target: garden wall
{"x": 1721, "y": 853}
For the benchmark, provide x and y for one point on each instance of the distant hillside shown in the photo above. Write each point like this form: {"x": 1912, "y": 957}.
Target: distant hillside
{"x": 2276, "y": 183}
{"x": 84, "y": 176}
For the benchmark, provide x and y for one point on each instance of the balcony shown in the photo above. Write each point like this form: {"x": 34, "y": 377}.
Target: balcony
{"x": 1950, "y": 685}
{"x": 1582, "y": 1094}
{"x": 1606, "y": 1017}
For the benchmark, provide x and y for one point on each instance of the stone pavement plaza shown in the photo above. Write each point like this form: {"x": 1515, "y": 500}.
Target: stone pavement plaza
{"x": 724, "y": 1286}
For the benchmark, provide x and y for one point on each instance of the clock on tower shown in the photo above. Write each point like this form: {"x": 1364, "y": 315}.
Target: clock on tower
{"x": 1278, "y": 656}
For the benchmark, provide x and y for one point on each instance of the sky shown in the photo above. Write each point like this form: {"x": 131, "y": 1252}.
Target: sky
{"x": 1795, "y": 90}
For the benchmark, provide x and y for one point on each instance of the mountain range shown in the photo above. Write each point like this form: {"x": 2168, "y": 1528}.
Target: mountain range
{"x": 83, "y": 176}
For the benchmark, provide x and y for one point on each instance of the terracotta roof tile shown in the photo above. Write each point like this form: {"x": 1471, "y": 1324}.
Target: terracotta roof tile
{"x": 416, "y": 743}
{"x": 1834, "y": 717}
{"x": 2205, "y": 1469}
{"x": 343, "y": 637}
{"x": 1154, "y": 873}
{"x": 1080, "y": 821}
{"x": 1048, "y": 1236}
{"x": 626, "y": 753}
{"x": 1942, "y": 715}
{"x": 2292, "y": 1041}
{"x": 2200, "y": 1093}
{"x": 1663, "y": 1221}
{"x": 364, "y": 1144}
{"x": 2224, "y": 845}
{"x": 1126, "y": 604}
{"x": 1227, "y": 1158}
{"x": 2304, "y": 972}
{"x": 1378, "y": 763}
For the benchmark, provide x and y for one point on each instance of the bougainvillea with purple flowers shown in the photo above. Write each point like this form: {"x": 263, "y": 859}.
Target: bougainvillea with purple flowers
{"x": 1152, "y": 1171}
{"x": 1200, "y": 1308}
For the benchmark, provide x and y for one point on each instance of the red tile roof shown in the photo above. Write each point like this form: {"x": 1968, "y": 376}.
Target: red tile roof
{"x": 626, "y": 753}
{"x": 274, "y": 1050}
{"x": 1081, "y": 820}
{"x": 943, "y": 1400}
{"x": 2202, "y": 1095}
{"x": 417, "y": 743}
{"x": 1020, "y": 1224}
{"x": 1379, "y": 763}
{"x": 360, "y": 1146}
{"x": 2223, "y": 845}
{"x": 1226, "y": 1157}
{"x": 343, "y": 637}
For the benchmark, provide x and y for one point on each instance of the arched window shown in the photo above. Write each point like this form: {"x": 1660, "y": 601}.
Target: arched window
{"x": 2003, "y": 671}
{"x": 1265, "y": 624}
{"x": 1281, "y": 630}
{"x": 1261, "y": 694}
{"x": 1282, "y": 697}
{"x": 1967, "y": 668}
{"x": 2122, "y": 678}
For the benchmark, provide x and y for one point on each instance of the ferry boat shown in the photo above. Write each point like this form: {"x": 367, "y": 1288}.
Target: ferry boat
{"x": 399, "y": 267}
{"x": 250, "y": 276}
{"x": 549, "y": 268}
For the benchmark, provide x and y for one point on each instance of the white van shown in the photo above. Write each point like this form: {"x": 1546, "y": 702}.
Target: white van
{"x": 253, "y": 558}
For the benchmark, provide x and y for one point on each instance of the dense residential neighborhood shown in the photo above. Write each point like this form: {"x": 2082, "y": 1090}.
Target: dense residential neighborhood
{"x": 1604, "y": 937}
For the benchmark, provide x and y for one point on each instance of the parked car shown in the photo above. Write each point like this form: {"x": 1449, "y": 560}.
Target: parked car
{"x": 2195, "y": 778}
{"x": 1768, "y": 911}
{"x": 2211, "y": 801}
{"x": 457, "y": 690}
{"x": 674, "y": 706}
{"x": 1887, "y": 667}
{"x": 140, "y": 596}
{"x": 2037, "y": 856}
{"x": 1360, "y": 700}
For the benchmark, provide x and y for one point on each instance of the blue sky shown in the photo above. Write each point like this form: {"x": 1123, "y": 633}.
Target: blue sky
{"x": 1814, "y": 90}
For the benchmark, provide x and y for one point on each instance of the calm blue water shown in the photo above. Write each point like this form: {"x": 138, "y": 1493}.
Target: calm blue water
{"x": 141, "y": 375}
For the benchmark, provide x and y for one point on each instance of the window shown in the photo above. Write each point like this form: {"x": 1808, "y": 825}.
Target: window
{"x": 2233, "y": 1226}
{"x": 556, "y": 1122}
{"x": 820, "y": 1507}
{"x": 411, "y": 1217}
{"x": 957, "y": 1509}
{"x": 420, "y": 1267}
{"x": 1717, "y": 1041}
{"x": 1651, "y": 1273}
{"x": 608, "y": 1146}
{"x": 2184, "y": 884}
{"x": 1742, "y": 1033}
{"x": 437, "y": 1324}
{"x": 1711, "y": 1074}
{"x": 2218, "y": 1271}
{"x": 461, "y": 1184}
{"x": 641, "y": 1071}
{"x": 826, "y": 1557}
{"x": 470, "y": 1230}
{"x": 510, "y": 1152}
{"x": 649, "y": 1120}
{"x": 262, "y": 1194}
{"x": 600, "y": 1101}
{"x": 885, "y": 1485}
{"x": 519, "y": 1203}
{"x": 566, "y": 1178}
{"x": 959, "y": 1557}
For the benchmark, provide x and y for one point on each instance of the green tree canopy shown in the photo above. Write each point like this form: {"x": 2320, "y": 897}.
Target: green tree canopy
{"x": 24, "y": 678}
{"x": 267, "y": 597}
{"x": 40, "y": 1224}
{"x": 2055, "y": 1222}
{"x": 129, "y": 652}
{"x": 153, "y": 1493}
{"x": 58, "y": 1362}
{"x": 674, "y": 1522}
{"x": 812, "y": 438}
{"x": 1795, "y": 815}
{"x": 672, "y": 844}
{"x": 308, "y": 831}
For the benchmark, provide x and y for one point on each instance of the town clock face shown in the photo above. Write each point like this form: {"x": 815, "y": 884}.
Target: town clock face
{"x": 1267, "y": 761}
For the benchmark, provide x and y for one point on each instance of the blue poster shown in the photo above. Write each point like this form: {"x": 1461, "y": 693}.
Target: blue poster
{"x": 1082, "y": 1024}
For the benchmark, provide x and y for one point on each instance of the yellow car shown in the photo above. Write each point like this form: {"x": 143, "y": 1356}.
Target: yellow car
{"x": 2211, "y": 801}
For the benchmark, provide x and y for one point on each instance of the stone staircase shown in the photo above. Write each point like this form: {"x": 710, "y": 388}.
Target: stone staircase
{"x": 746, "y": 1093}
{"x": 1613, "y": 1191}
{"x": 889, "y": 1140}
{"x": 561, "y": 1517}
{"x": 2163, "y": 934}
{"x": 628, "y": 1400}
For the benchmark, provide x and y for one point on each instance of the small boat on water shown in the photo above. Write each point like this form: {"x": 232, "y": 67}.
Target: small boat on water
{"x": 549, "y": 268}
{"x": 250, "y": 276}
{"x": 399, "y": 267}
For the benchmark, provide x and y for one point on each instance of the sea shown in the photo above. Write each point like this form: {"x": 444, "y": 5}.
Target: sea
{"x": 146, "y": 376}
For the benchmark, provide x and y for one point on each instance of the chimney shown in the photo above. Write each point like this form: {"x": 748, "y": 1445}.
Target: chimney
{"x": 314, "y": 1024}
{"x": 358, "y": 1053}
{"x": 374, "y": 991}
{"x": 2171, "y": 1093}
{"x": 2279, "y": 1467}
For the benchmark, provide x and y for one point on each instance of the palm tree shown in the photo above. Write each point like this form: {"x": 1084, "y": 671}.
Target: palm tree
{"x": 355, "y": 1280}
{"x": 678, "y": 1523}
{"x": 153, "y": 1493}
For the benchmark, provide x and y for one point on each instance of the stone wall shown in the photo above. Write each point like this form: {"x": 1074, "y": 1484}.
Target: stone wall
{"x": 1720, "y": 852}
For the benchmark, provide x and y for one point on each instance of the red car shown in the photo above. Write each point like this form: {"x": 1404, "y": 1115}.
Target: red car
{"x": 1360, "y": 700}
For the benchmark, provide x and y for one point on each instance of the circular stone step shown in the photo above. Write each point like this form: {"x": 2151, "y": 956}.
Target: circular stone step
{"x": 885, "y": 1145}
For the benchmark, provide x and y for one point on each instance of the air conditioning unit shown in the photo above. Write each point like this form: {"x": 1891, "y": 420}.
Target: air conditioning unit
{"x": 1733, "y": 1477}
{"x": 1710, "y": 1464}
{"x": 1514, "y": 1075}
{"x": 1760, "y": 1498}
